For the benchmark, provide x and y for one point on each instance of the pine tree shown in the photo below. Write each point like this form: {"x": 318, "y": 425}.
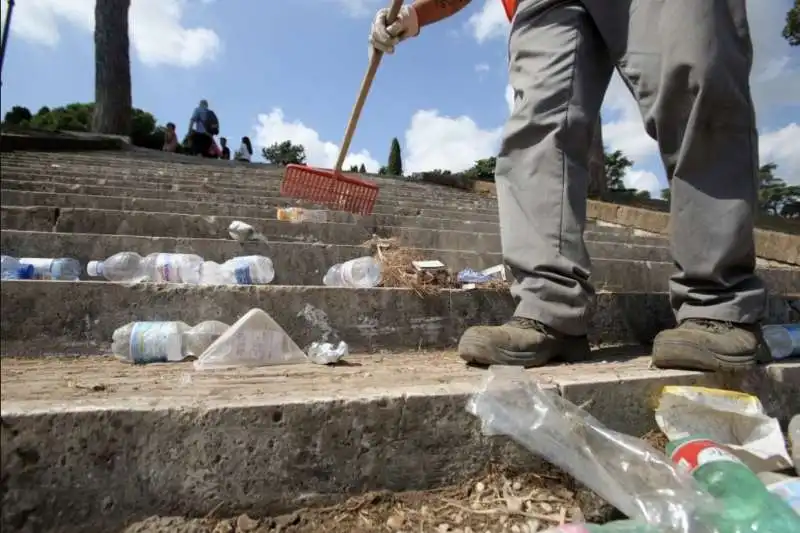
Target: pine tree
{"x": 362, "y": 169}
{"x": 395, "y": 165}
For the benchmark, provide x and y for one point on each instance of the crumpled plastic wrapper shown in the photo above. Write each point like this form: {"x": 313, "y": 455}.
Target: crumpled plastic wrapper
{"x": 325, "y": 353}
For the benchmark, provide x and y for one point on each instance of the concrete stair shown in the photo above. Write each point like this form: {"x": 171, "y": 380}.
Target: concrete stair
{"x": 89, "y": 443}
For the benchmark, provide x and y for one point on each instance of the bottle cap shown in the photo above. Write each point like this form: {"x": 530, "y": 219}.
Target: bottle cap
{"x": 94, "y": 268}
{"x": 25, "y": 271}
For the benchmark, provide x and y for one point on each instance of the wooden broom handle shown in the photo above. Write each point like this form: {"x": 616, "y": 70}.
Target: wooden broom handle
{"x": 366, "y": 84}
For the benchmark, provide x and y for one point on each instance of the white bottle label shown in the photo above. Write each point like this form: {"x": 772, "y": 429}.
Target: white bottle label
{"x": 166, "y": 269}
{"x": 150, "y": 341}
{"x": 41, "y": 267}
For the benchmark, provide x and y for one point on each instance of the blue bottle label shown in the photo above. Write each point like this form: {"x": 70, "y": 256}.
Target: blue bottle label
{"x": 165, "y": 269}
{"x": 149, "y": 342}
{"x": 243, "y": 276}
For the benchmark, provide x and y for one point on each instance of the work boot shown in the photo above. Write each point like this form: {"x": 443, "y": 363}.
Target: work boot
{"x": 710, "y": 345}
{"x": 520, "y": 342}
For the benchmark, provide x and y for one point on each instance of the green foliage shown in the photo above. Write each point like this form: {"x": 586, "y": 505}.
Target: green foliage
{"x": 666, "y": 194}
{"x": 483, "y": 170}
{"x": 78, "y": 117}
{"x": 791, "y": 31}
{"x": 773, "y": 193}
{"x": 362, "y": 169}
{"x": 395, "y": 165}
{"x": 285, "y": 153}
{"x": 353, "y": 168}
{"x": 617, "y": 166}
{"x": 382, "y": 171}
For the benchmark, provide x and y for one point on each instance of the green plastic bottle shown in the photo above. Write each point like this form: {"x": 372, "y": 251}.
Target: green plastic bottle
{"x": 747, "y": 505}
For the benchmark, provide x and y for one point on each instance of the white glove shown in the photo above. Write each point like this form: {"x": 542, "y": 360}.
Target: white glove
{"x": 385, "y": 38}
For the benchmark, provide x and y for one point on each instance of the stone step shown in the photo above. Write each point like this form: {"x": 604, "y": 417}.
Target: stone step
{"x": 126, "y": 203}
{"x": 304, "y": 264}
{"x": 263, "y": 185}
{"x": 234, "y": 187}
{"x": 403, "y": 208}
{"x": 90, "y": 444}
{"x": 68, "y": 220}
{"x": 51, "y": 316}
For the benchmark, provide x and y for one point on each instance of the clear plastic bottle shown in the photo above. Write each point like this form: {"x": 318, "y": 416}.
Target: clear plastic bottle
{"x": 245, "y": 270}
{"x": 361, "y": 273}
{"x": 783, "y": 340}
{"x": 11, "y": 268}
{"x": 156, "y": 267}
{"x": 161, "y": 342}
{"x": 299, "y": 214}
{"x": 747, "y": 505}
{"x": 620, "y": 526}
{"x": 60, "y": 268}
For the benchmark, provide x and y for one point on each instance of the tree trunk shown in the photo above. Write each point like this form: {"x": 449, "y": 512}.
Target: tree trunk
{"x": 112, "y": 83}
{"x": 598, "y": 184}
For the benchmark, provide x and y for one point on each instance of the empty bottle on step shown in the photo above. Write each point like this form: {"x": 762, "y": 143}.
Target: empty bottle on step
{"x": 245, "y": 270}
{"x": 361, "y": 273}
{"x": 299, "y": 214}
{"x": 156, "y": 267}
{"x": 60, "y": 268}
{"x": 11, "y": 268}
{"x": 747, "y": 505}
{"x": 783, "y": 340}
{"x": 161, "y": 342}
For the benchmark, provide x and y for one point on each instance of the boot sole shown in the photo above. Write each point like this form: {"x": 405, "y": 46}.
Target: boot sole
{"x": 687, "y": 356}
{"x": 476, "y": 350}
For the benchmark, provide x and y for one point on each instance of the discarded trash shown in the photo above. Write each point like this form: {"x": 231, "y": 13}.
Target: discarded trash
{"x": 620, "y": 526}
{"x": 242, "y": 232}
{"x": 60, "y": 269}
{"x": 11, "y": 268}
{"x": 161, "y": 342}
{"x": 361, "y": 273}
{"x": 156, "y": 267}
{"x": 299, "y": 214}
{"x": 428, "y": 265}
{"x": 794, "y": 437}
{"x": 626, "y": 471}
{"x": 325, "y": 353}
{"x": 244, "y": 270}
{"x": 734, "y": 419}
{"x": 785, "y": 487}
{"x": 783, "y": 340}
{"x": 747, "y": 505}
{"x": 471, "y": 278}
{"x": 254, "y": 340}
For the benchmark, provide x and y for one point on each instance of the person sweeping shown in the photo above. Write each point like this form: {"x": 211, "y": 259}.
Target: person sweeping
{"x": 687, "y": 63}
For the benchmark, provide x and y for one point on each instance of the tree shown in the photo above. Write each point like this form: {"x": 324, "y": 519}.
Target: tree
{"x": 353, "y": 168}
{"x": 285, "y": 153}
{"x": 362, "y": 169}
{"x": 18, "y": 115}
{"x": 666, "y": 194}
{"x": 598, "y": 183}
{"x": 112, "y": 84}
{"x": 616, "y": 166}
{"x": 395, "y": 165}
{"x": 483, "y": 169}
{"x": 791, "y": 32}
{"x": 382, "y": 171}
{"x": 773, "y": 192}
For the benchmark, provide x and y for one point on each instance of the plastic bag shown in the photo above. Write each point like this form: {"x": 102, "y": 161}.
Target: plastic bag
{"x": 631, "y": 475}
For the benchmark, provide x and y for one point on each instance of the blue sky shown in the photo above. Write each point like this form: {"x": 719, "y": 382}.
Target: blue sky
{"x": 276, "y": 70}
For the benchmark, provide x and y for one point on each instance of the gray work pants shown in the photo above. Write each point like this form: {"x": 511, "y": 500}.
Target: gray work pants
{"x": 687, "y": 62}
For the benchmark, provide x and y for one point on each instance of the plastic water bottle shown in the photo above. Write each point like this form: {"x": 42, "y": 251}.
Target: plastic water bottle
{"x": 161, "y": 342}
{"x": 245, "y": 270}
{"x": 61, "y": 268}
{"x": 298, "y": 214}
{"x": 361, "y": 273}
{"x": 11, "y": 268}
{"x": 747, "y": 505}
{"x": 157, "y": 267}
{"x": 783, "y": 340}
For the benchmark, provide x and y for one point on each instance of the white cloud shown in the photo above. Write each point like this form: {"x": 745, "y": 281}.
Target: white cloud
{"x": 490, "y": 22}
{"x": 482, "y": 67}
{"x": 644, "y": 180}
{"x": 782, "y": 147}
{"x": 273, "y": 127}
{"x": 158, "y": 36}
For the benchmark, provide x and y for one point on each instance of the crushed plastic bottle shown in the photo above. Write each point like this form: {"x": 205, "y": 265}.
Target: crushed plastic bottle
{"x": 11, "y": 268}
{"x": 60, "y": 269}
{"x": 156, "y": 267}
{"x": 245, "y": 270}
{"x": 783, "y": 340}
{"x": 747, "y": 505}
{"x": 242, "y": 232}
{"x": 361, "y": 273}
{"x": 299, "y": 214}
{"x": 325, "y": 353}
{"x": 161, "y": 342}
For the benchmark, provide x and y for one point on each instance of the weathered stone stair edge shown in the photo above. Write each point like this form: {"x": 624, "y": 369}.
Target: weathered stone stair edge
{"x": 378, "y": 439}
{"x": 303, "y": 264}
{"x": 69, "y": 220}
{"x": 370, "y": 319}
{"x": 237, "y": 199}
{"x": 128, "y": 203}
{"x": 784, "y": 247}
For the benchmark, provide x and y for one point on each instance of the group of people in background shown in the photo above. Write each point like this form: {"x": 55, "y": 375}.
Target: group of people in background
{"x": 200, "y": 138}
